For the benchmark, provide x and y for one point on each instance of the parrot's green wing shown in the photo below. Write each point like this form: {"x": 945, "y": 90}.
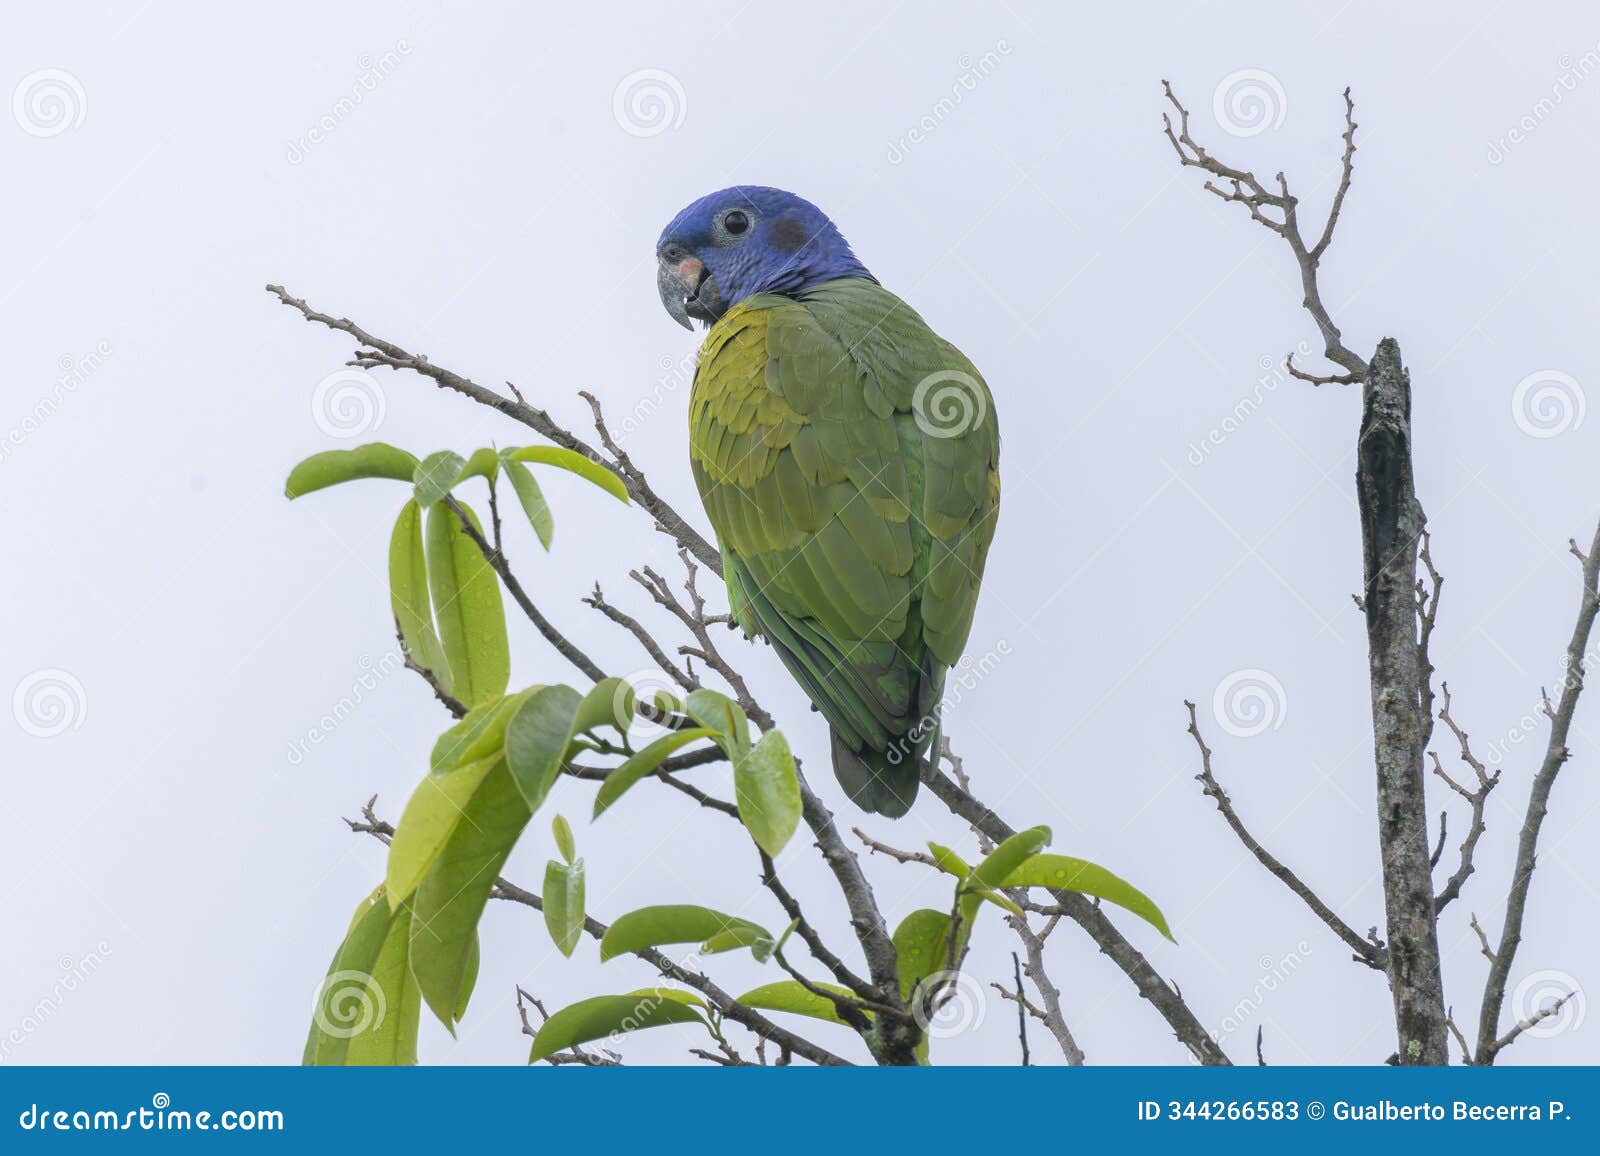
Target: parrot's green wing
{"x": 847, "y": 457}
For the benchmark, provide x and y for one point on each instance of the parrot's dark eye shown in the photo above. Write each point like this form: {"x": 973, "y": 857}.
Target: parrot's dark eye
{"x": 736, "y": 222}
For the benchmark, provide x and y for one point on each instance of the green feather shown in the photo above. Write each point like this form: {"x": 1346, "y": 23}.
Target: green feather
{"x": 854, "y": 539}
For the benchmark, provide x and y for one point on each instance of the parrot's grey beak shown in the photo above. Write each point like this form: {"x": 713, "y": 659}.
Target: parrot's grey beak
{"x": 687, "y": 290}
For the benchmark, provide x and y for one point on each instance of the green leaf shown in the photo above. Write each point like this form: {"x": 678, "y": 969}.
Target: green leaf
{"x": 368, "y": 1007}
{"x": 1063, "y": 873}
{"x": 481, "y": 733}
{"x": 450, "y": 899}
{"x": 952, "y": 864}
{"x": 408, "y": 593}
{"x": 922, "y": 951}
{"x": 563, "y": 904}
{"x": 756, "y": 939}
{"x": 435, "y": 474}
{"x": 607, "y": 1015}
{"x": 469, "y": 978}
{"x": 466, "y": 601}
{"x": 642, "y": 764}
{"x": 922, "y": 945}
{"x": 562, "y": 830}
{"x": 949, "y": 862}
{"x": 573, "y": 462}
{"x": 768, "y": 792}
{"x": 330, "y": 468}
{"x": 532, "y": 499}
{"x": 538, "y": 738}
{"x": 669, "y": 923}
{"x": 439, "y": 473}
{"x": 430, "y": 817}
{"x": 1005, "y": 858}
{"x": 540, "y": 735}
{"x": 999, "y": 863}
{"x": 609, "y": 703}
{"x": 482, "y": 463}
{"x": 720, "y": 713}
{"x": 787, "y": 995}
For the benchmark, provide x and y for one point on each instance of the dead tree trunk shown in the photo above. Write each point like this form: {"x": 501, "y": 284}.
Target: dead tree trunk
{"x": 1391, "y": 528}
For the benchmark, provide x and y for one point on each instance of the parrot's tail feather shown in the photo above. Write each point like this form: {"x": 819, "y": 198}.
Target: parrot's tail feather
{"x": 880, "y": 782}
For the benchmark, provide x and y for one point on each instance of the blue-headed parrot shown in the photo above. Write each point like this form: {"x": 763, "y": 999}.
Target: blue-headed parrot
{"x": 848, "y": 459}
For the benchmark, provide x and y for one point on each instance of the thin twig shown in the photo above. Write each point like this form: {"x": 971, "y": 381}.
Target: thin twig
{"x": 1365, "y": 952}
{"x": 1257, "y": 198}
{"x": 1555, "y": 756}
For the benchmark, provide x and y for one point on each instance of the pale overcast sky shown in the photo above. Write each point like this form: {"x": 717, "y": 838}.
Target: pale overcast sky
{"x": 486, "y": 186}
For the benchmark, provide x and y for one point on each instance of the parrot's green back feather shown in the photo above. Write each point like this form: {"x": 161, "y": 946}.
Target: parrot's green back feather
{"x": 848, "y": 460}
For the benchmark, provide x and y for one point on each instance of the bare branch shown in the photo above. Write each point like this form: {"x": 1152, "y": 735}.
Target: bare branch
{"x": 1365, "y": 952}
{"x": 1247, "y": 190}
{"x": 1146, "y": 980}
{"x": 452, "y": 704}
{"x": 1328, "y": 379}
{"x": 1555, "y": 756}
{"x": 378, "y": 352}
{"x": 1535, "y": 1019}
{"x": 1475, "y": 798}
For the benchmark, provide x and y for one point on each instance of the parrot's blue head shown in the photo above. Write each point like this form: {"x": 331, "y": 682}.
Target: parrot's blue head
{"x": 743, "y": 240}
